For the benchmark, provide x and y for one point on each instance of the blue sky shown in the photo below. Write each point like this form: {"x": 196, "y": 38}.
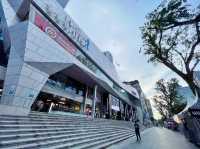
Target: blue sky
{"x": 114, "y": 25}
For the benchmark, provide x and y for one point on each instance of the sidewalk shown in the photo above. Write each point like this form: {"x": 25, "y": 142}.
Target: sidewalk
{"x": 156, "y": 138}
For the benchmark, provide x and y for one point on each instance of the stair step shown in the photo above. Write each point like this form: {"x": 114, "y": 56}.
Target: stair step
{"x": 49, "y": 141}
{"x": 38, "y": 138}
{"x": 13, "y": 122}
{"x": 33, "y": 130}
{"x": 47, "y": 125}
{"x": 40, "y": 121}
{"x": 105, "y": 143}
{"x": 46, "y": 133}
{"x": 70, "y": 145}
{"x": 42, "y": 130}
{"x": 86, "y": 142}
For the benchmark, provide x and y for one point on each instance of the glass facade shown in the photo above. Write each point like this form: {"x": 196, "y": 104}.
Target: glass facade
{"x": 67, "y": 84}
{"x": 67, "y": 106}
{"x": 65, "y": 88}
{"x": 50, "y": 103}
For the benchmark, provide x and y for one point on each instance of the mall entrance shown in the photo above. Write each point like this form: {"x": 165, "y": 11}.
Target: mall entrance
{"x": 46, "y": 102}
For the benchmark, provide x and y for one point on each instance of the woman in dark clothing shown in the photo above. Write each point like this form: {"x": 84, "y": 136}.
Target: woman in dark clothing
{"x": 137, "y": 130}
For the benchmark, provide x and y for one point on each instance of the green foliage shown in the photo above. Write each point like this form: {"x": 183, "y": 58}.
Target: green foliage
{"x": 161, "y": 36}
{"x": 171, "y": 36}
{"x": 168, "y": 101}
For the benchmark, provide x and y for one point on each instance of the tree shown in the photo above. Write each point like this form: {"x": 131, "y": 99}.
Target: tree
{"x": 168, "y": 102}
{"x": 171, "y": 36}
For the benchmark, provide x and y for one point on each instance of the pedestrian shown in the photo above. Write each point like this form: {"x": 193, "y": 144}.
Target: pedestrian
{"x": 137, "y": 130}
{"x": 40, "y": 105}
{"x": 87, "y": 112}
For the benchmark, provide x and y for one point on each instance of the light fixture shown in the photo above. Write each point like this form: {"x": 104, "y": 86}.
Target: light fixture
{"x": 122, "y": 90}
{"x": 63, "y": 99}
{"x": 61, "y": 102}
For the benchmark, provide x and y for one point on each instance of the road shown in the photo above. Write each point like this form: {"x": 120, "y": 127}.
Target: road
{"x": 156, "y": 138}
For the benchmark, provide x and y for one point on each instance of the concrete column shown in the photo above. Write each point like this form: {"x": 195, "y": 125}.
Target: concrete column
{"x": 120, "y": 110}
{"x": 107, "y": 107}
{"x": 125, "y": 110}
{"x": 83, "y": 105}
{"x": 131, "y": 113}
{"x": 107, "y": 104}
{"x": 21, "y": 86}
{"x": 94, "y": 101}
{"x": 110, "y": 105}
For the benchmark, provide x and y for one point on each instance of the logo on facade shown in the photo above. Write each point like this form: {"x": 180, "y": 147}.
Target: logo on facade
{"x": 69, "y": 27}
{"x": 54, "y": 33}
{"x": 51, "y": 32}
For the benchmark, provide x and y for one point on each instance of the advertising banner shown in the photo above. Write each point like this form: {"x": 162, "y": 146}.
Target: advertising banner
{"x": 54, "y": 33}
{"x": 115, "y": 103}
{"x": 64, "y": 21}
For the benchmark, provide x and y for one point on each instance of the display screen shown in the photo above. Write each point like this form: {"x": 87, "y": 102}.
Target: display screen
{"x": 115, "y": 103}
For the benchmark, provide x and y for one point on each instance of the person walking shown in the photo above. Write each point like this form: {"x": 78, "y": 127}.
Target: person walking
{"x": 40, "y": 105}
{"x": 137, "y": 130}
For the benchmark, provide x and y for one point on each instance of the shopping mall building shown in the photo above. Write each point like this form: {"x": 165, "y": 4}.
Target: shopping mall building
{"x": 48, "y": 63}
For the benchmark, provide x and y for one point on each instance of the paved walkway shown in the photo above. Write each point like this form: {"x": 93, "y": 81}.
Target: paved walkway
{"x": 156, "y": 138}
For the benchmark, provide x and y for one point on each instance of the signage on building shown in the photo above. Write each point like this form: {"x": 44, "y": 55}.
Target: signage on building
{"x": 115, "y": 103}
{"x": 65, "y": 22}
{"x": 54, "y": 33}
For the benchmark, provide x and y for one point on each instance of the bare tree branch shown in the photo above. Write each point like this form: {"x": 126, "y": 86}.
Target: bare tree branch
{"x": 195, "y": 64}
{"x": 170, "y": 65}
{"x": 181, "y": 55}
{"x": 161, "y": 35}
{"x": 197, "y": 30}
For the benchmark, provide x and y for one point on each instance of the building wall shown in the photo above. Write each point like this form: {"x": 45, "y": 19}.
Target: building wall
{"x": 9, "y": 7}
{"x": 149, "y": 108}
{"x": 144, "y": 112}
{"x": 35, "y": 55}
{"x": 92, "y": 50}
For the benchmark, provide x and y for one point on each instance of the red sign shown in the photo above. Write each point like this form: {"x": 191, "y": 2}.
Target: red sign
{"x": 54, "y": 33}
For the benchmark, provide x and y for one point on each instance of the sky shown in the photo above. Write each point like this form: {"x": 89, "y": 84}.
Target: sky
{"x": 114, "y": 25}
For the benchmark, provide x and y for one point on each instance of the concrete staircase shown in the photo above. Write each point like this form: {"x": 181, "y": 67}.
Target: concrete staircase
{"x": 40, "y": 130}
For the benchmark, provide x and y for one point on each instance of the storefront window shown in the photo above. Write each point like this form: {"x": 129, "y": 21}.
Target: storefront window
{"x": 65, "y": 87}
